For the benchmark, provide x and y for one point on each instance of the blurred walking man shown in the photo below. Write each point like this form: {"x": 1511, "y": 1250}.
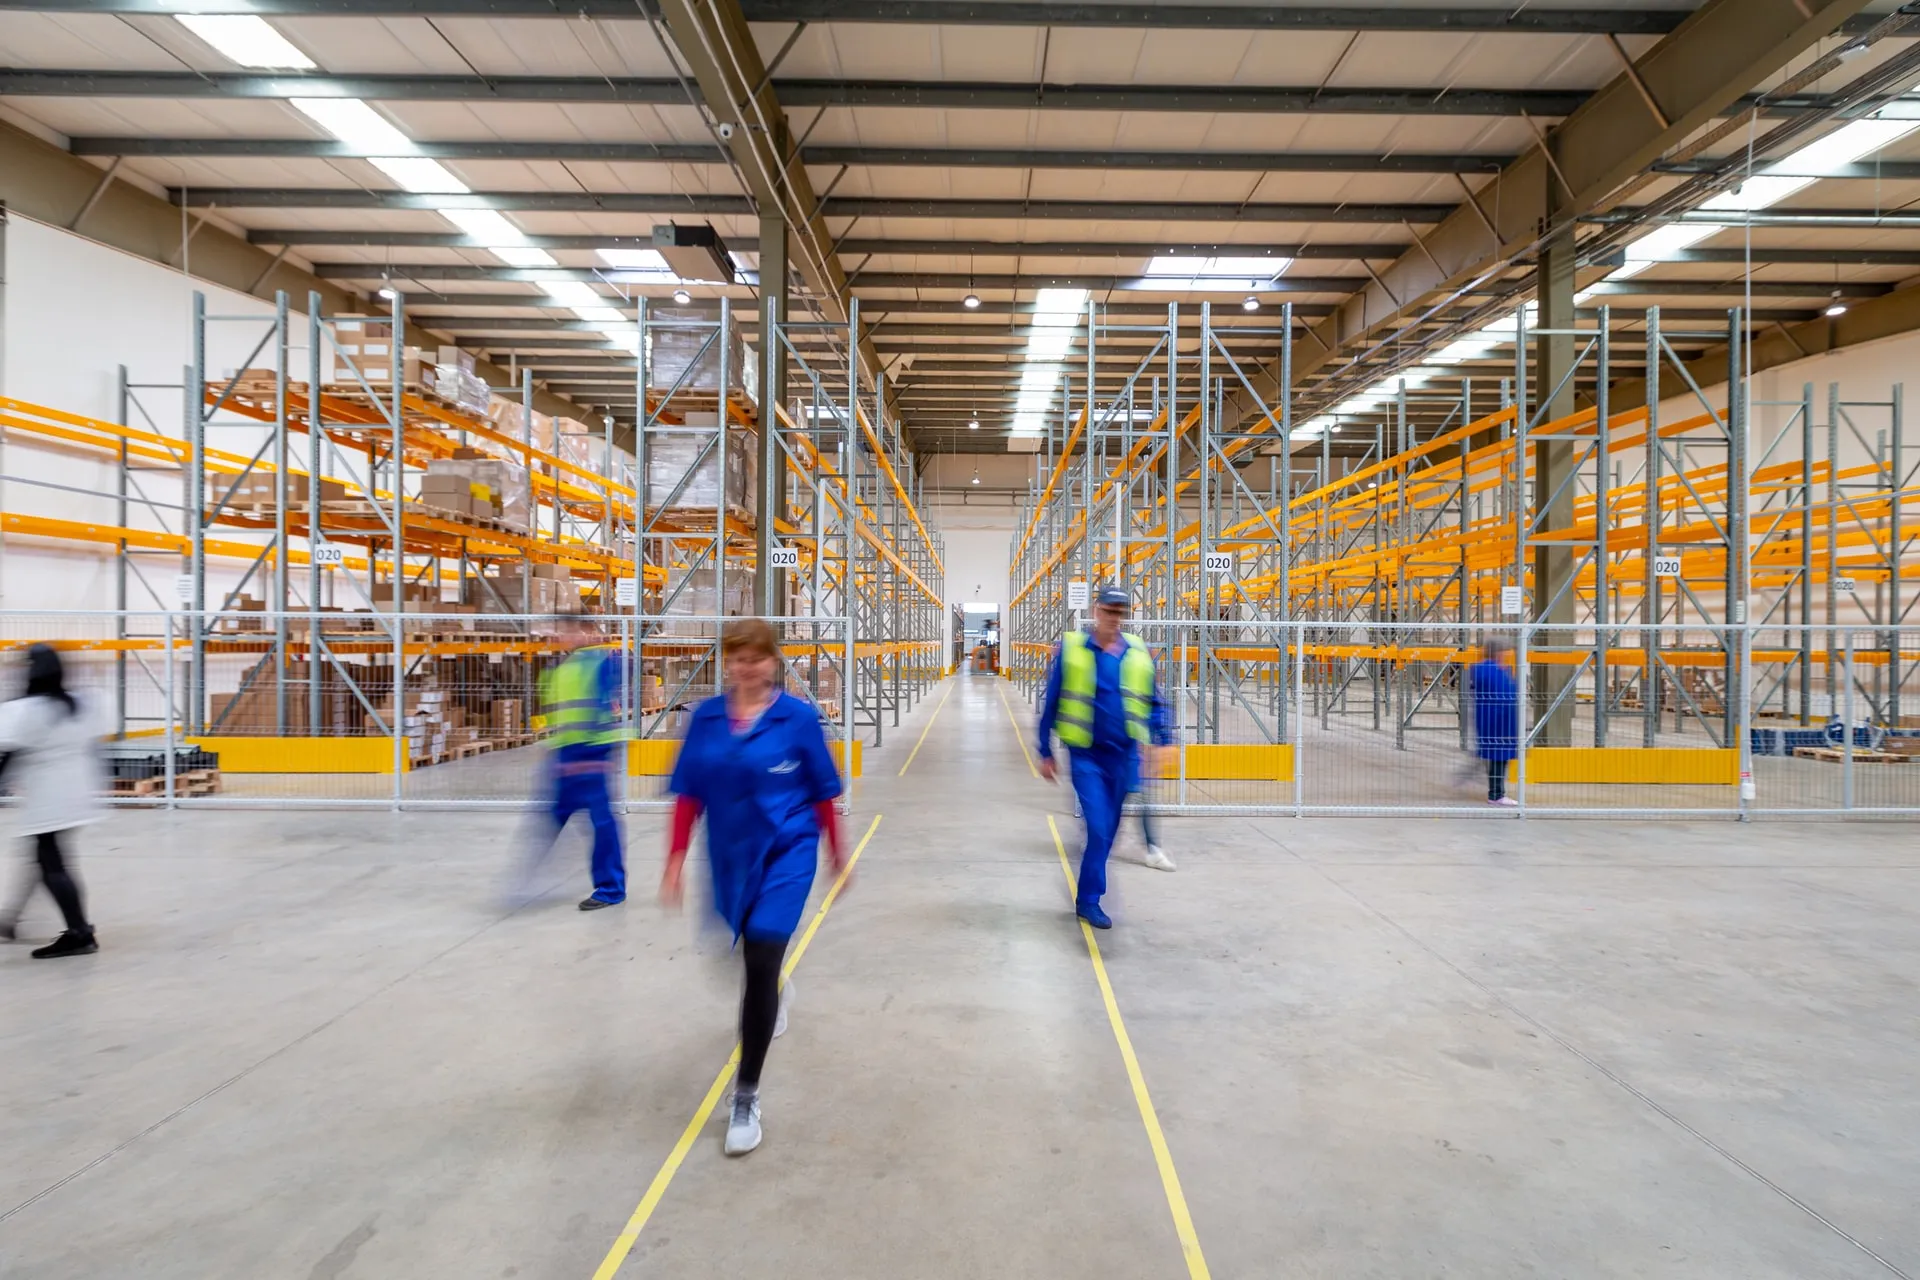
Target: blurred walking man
{"x": 580, "y": 708}
{"x": 1104, "y": 703}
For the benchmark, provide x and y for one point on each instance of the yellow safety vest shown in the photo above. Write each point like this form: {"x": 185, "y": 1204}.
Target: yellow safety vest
{"x": 570, "y": 703}
{"x": 1079, "y": 681}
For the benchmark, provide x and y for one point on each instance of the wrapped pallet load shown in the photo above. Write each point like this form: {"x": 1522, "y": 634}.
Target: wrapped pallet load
{"x": 688, "y": 454}
{"x": 683, "y": 353}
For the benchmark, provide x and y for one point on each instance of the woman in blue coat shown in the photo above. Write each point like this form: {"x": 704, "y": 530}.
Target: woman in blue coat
{"x": 756, "y": 763}
{"x": 1496, "y": 717}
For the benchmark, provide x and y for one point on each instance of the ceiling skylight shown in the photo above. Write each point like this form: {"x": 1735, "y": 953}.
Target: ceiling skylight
{"x": 1175, "y": 271}
{"x": 356, "y": 124}
{"x": 425, "y": 177}
{"x": 246, "y": 40}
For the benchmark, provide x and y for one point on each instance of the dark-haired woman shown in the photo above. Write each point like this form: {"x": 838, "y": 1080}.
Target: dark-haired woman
{"x": 756, "y": 763}
{"x": 53, "y": 769}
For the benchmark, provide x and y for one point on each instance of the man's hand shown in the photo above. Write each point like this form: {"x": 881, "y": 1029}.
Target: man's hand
{"x": 673, "y": 886}
{"x": 1048, "y": 770}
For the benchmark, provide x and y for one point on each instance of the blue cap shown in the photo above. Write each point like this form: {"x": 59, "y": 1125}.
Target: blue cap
{"x": 1113, "y": 597}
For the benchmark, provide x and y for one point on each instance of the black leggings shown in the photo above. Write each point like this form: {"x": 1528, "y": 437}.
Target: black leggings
{"x": 59, "y": 881}
{"x": 760, "y": 1006}
{"x": 1496, "y": 779}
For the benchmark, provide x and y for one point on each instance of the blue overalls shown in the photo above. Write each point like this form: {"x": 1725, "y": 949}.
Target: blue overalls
{"x": 759, "y": 789}
{"x": 1104, "y": 773}
{"x": 578, "y": 782}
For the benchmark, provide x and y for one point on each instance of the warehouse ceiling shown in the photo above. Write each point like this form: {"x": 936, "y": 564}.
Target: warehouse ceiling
{"x": 502, "y": 164}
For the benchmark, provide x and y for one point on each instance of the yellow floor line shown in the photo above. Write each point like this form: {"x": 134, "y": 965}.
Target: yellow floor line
{"x": 623, "y": 1245}
{"x": 924, "y": 732}
{"x": 1162, "y": 1157}
{"x": 1018, "y": 736}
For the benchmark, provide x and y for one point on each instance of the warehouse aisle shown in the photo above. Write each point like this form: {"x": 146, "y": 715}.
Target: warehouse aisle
{"x": 316, "y": 1046}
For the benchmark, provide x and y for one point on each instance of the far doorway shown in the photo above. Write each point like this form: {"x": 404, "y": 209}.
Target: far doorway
{"x": 980, "y": 638}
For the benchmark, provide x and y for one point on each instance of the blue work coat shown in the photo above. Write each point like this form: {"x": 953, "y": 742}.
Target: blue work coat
{"x": 759, "y": 789}
{"x": 1496, "y": 710}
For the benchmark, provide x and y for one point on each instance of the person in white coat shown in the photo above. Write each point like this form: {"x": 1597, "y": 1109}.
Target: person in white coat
{"x": 53, "y": 769}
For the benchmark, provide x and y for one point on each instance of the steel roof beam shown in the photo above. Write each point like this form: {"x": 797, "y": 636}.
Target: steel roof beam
{"x": 842, "y": 207}
{"x": 665, "y": 91}
{"x": 999, "y": 13}
{"x": 301, "y": 237}
{"x": 902, "y": 157}
{"x": 871, "y": 280}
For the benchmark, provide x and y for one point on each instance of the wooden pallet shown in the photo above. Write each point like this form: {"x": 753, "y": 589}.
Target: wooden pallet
{"x": 466, "y": 749}
{"x": 1833, "y": 755}
{"x": 196, "y": 782}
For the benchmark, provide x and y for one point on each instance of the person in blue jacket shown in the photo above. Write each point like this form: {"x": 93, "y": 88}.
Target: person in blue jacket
{"x": 1496, "y": 716}
{"x": 756, "y": 762}
{"x": 1105, "y": 702}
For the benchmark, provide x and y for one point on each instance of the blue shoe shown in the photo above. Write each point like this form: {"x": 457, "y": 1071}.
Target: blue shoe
{"x": 1093, "y": 915}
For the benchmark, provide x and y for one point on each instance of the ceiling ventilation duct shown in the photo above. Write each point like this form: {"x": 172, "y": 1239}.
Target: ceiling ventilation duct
{"x": 694, "y": 253}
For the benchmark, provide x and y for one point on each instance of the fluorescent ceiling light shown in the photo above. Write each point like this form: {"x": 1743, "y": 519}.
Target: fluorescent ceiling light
{"x": 425, "y": 177}
{"x": 635, "y": 260}
{"x": 522, "y": 256}
{"x": 607, "y": 314}
{"x": 245, "y": 39}
{"x": 1254, "y": 268}
{"x": 354, "y": 123}
{"x": 573, "y": 293}
{"x": 486, "y": 226}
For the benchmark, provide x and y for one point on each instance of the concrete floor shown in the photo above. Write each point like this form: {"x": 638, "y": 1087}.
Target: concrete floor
{"x": 316, "y": 1046}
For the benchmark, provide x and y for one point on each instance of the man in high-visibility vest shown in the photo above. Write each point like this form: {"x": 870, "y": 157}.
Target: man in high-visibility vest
{"x": 580, "y": 712}
{"x": 1103, "y": 701}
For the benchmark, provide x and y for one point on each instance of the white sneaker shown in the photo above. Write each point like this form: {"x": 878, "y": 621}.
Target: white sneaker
{"x": 1158, "y": 860}
{"x": 1505, "y": 802}
{"x": 786, "y": 999}
{"x": 743, "y": 1127}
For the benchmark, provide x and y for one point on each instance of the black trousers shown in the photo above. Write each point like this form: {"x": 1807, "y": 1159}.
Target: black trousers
{"x": 59, "y": 881}
{"x": 1496, "y": 779}
{"x": 760, "y": 1005}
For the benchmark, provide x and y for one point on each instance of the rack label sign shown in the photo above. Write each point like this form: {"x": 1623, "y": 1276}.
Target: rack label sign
{"x": 1666, "y": 566}
{"x": 329, "y": 556}
{"x": 1078, "y": 595}
{"x": 784, "y": 557}
{"x": 183, "y": 588}
{"x": 1219, "y": 562}
{"x": 1844, "y": 584}
{"x": 626, "y": 593}
{"x": 1512, "y": 601}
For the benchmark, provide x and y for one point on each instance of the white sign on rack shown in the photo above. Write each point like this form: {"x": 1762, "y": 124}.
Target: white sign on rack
{"x": 784, "y": 557}
{"x": 1512, "y": 601}
{"x": 329, "y": 555}
{"x": 183, "y": 588}
{"x": 626, "y": 593}
{"x": 1078, "y": 595}
{"x": 1666, "y": 566}
{"x": 1219, "y": 562}
{"x": 1845, "y": 584}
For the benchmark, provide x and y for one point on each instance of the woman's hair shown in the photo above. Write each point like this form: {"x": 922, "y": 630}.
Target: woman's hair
{"x": 46, "y": 676}
{"x": 755, "y": 634}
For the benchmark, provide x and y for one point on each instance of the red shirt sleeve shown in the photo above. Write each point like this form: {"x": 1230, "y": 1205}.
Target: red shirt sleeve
{"x": 686, "y": 812}
{"x": 829, "y": 819}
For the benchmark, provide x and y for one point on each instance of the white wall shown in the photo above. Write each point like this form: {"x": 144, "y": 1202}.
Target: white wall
{"x": 75, "y": 311}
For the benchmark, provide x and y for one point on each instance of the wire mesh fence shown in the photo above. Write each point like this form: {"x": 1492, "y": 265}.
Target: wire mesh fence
{"x": 1371, "y": 716}
{"x": 418, "y": 710}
